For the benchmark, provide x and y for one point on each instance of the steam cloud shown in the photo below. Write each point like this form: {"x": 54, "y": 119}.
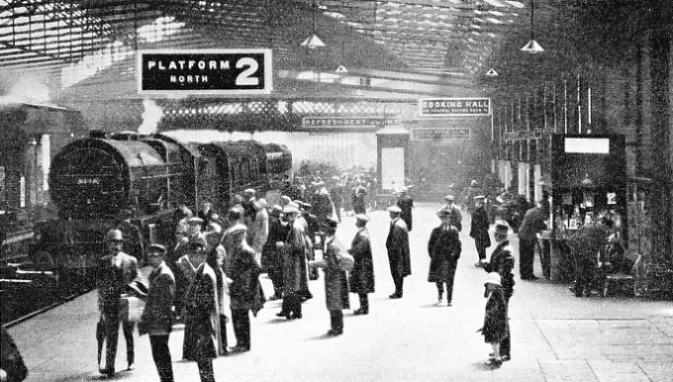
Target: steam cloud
{"x": 151, "y": 117}
{"x": 22, "y": 88}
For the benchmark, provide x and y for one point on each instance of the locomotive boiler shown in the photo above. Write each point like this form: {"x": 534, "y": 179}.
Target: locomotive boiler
{"x": 93, "y": 179}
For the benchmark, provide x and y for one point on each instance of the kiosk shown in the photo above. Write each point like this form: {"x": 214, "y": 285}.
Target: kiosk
{"x": 588, "y": 175}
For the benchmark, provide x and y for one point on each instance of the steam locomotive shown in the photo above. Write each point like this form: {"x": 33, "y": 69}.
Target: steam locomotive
{"x": 93, "y": 179}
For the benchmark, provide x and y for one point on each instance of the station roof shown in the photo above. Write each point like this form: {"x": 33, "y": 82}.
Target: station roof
{"x": 407, "y": 48}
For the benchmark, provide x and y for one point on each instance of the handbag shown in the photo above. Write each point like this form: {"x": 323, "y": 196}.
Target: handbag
{"x": 130, "y": 308}
{"x": 345, "y": 260}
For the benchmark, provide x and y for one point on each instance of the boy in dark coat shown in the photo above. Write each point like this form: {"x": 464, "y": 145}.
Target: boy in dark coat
{"x": 362, "y": 275}
{"x": 444, "y": 249}
{"x": 479, "y": 229}
{"x": 495, "y": 327}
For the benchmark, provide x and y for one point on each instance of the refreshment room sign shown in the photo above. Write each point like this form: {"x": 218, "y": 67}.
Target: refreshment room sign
{"x": 454, "y": 107}
{"x": 211, "y": 71}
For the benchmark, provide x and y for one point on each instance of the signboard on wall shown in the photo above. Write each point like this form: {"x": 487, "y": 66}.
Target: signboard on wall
{"x": 209, "y": 71}
{"x": 349, "y": 122}
{"x": 457, "y": 134}
{"x": 454, "y": 107}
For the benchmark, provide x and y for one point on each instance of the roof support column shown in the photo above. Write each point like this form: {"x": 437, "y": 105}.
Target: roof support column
{"x": 662, "y": 195}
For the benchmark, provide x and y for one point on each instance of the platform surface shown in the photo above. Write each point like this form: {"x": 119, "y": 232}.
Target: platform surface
{"x": 555, "y": 336}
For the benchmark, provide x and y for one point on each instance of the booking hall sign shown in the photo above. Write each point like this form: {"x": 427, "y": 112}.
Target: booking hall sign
{"x": 212, "y": 71}
{"x": 454, "y": 107}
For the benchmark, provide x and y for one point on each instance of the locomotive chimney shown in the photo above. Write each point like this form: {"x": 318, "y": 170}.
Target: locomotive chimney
{"x": 151, "y": 117}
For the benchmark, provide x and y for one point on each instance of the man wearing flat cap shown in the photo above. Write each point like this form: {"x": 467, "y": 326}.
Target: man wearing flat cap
{"x": 479, "y": 229}
{"x": 133, "y": 238}
{"x": 157, "y": 318}
{"x": 114, "y": 272}
{"x": 444, "y": 249}
{"x": 456, "y": 215}
{"x": 362, "y": 276}
{"x": 406, "y": 204}
{"x": 249, "y": 195}
{"x": 502, "y": 262}
{"x": 397, "y": 245}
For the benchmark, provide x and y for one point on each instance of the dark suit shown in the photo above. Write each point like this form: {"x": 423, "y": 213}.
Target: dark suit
{"x": 157, "y": 319}
{"x": 111, "y": 281}
{"x": 399, "y": 258}
{"x": 479, "y": 231}
{"x": 444, "y": 248}
{"x": 406, "y": 204}
{"x": 533, "y": 222}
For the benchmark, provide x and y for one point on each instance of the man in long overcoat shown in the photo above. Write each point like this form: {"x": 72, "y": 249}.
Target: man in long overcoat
{"x": 406, "y": 204}
{"x": 397, "y": 245}
{"x": 362, "y": 276}
{"x": 533, "y": 223}
{"x": 444, "y": 249}
{"x": 114, "y": 273}
{"x": 202, "y": 322}
{"x": 479, "y": 229}
{"x": 157, "y": 318}
{"x": 336, "y": 280}
{"x": 245, "y": 290}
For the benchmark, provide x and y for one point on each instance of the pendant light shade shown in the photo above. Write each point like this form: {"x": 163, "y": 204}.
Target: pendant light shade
{"x": 313, "y": 42}
{"x": 491, "y": 73}
{"x": 532, "y": 47}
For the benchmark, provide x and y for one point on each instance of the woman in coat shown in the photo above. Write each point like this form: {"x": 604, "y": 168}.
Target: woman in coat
{"x": 336, "y": 280}
{"x": 362, "y": 276}
{"x": 444, "y": 249}
{"x": 495, "y": 327}
{"x": 202, "y": 320}
{"x": 295, "y": 272}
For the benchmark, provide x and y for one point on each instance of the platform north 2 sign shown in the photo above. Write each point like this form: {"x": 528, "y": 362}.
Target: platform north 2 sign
{"x": 454, "y": 107}
{"x": 212, "y": 71}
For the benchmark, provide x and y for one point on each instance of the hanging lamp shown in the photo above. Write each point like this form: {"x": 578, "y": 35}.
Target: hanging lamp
{"x": 491, "y": 73}
{"x": 313, "y": 41}
{"x": 532, "y": 46}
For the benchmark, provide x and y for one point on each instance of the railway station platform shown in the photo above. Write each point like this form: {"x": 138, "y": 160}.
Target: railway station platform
{"x": 555, "y": 336}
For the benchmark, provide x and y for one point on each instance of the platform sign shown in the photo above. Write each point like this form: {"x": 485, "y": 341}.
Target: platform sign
{"x": 457, "y": 134}
{"x": 372, "y": 122}
{"x": 211, "y": 71}
{"x": 454, "y": 107}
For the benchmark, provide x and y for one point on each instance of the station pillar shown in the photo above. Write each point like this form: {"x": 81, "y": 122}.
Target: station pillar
{"x": 392, "y": 159}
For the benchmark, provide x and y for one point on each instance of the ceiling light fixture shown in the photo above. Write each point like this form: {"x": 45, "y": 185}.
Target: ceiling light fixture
{"x": 313, "y": 41}
{"x": 491, "y": 73}
{"x": 532, "y": 46}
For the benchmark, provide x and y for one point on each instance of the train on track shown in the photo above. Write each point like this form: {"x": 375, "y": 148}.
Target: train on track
{"x": 93, "y": 179}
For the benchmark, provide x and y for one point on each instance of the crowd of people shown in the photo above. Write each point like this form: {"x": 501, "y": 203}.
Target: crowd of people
{"x": 209, "y": 277}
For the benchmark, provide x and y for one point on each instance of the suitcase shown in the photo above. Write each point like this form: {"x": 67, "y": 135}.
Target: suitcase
{"x": 130, "y": 308}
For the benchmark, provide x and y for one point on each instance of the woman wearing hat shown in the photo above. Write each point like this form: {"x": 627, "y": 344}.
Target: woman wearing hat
{"x": 362, "y": 276}
{"x": 295, "y": 273}
{"x": 157, "y": 318}
{"x": 495, "y": 327}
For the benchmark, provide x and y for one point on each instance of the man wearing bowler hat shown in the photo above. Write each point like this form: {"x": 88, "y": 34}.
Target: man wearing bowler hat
{"x": 115, "y": 271}
{"x": 362, "y": 276}
{"x": 444, "y": 249}
{"x": 502, "y": 262}
{"x": 157, "y": 318}
{"x": 399, "y": 257}
{"x": 406, "y": 204}
{"x": 456, "y": 215}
